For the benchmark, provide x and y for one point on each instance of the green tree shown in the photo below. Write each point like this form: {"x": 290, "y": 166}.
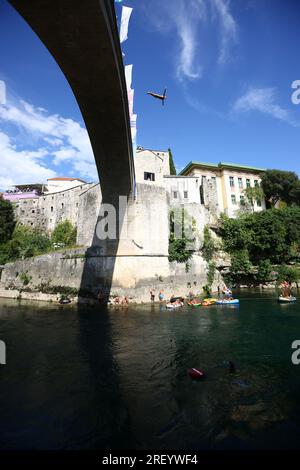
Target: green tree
{"x": 236, "y": 233}
{"x": 171, "y": 162}
{"x": 253, "y": 194}
{"x": 64, "y": 233}
{"x": 264, "y": 270}
{"x": 25, "y": 243}
{"x": 181, "y": 224}
{"x": 269, "y": 237}
{"x": 7, "y": 220}
{"x": 210, "y": 273}
{"x": 281, "y": 185}
{"x": 287, "y": 273}
{"x": 240, "y": 262}
{"x": 209, "y": 247}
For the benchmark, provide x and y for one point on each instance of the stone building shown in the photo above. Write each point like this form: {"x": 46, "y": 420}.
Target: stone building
{"x": 230, "y": 181}
{"x": 151, "y": 166}
{"x": 36, "y": 206}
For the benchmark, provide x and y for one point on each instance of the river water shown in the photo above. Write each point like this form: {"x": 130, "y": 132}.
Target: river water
{"x": 81, "y": 377}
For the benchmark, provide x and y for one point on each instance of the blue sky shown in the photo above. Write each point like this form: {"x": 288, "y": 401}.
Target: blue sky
{"x": 228, "y": 67}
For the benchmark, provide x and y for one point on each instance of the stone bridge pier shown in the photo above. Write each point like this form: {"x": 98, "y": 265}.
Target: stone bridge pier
{"x": 127, "y": 239}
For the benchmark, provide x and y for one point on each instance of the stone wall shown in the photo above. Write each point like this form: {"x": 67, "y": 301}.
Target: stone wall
{"x": 88, "y": 213}
{"x": 50, "y": 209}
{"x": 133, "y": 276}
{"x": 145, "y": 229}
{"x": 210, "y": 195}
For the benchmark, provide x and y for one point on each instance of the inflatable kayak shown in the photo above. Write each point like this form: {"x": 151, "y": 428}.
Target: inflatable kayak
{"x": 64, "y": 301}
{"x": 191, "y": 304}
{"x": 172, "y": 305}
{"x": 286, "y": 299}
{"x": 227, "y": 302}
{"x": 196, "y": 373}
{"x": 210, "y": 300}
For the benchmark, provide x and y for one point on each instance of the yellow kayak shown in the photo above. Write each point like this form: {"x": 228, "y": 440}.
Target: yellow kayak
{"x": 210, "y": 300}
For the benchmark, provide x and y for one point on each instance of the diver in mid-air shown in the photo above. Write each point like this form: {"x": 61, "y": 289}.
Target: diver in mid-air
{"x": 159, "y": 97}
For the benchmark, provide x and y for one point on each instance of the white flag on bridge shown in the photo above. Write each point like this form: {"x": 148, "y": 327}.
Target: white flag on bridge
{"x": 126, "y": 12}
{"x": 128, "y": 76}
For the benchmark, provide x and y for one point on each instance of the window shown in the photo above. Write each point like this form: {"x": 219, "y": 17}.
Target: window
{"x": 258, "y": 202}
{"x": 233, "y": 199}
{"x": 231, "y": 181}
{"x": 33, "y": 211}
{"x": 255, "y": 183}
{"x": 240, "y": 182}
{"x": 185, "y": 194}
{"x": 213, "y": 178}
{"x": 149, "y": 176}
{"x": 62, "y": 205}
{"x": 242, "y": 200}
{"x": 51, "y": 208}
{"x": 248, "y": 184}
{"x": 175, "y": 194}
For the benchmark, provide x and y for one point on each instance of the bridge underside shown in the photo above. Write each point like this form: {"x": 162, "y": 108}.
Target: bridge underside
{"x": 83, "y": 39}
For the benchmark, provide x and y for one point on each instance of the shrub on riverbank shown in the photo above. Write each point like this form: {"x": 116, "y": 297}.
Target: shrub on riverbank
{"x": 7, "y": 221}
{"x": 262, "y": 239}
{"x": 65, "y": 234}
{"x": 26, "y": 242}
{"x": 179, "y": 243}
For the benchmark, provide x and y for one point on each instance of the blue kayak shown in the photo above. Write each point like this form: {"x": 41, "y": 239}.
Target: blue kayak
{"x": 227, "y": 302}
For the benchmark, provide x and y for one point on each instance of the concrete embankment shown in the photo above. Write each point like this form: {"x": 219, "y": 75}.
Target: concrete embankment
{"x": 81, "y": 277}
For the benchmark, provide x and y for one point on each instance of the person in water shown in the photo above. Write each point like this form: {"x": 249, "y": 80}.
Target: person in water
{"x": 152, "y": 296}
{"x": 161, "y": 296}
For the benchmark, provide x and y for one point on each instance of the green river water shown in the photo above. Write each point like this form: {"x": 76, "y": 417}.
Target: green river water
{"x": 81, "y": 377}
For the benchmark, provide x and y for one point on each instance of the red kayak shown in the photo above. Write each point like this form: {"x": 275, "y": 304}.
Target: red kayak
{"x": 196, "y": 373}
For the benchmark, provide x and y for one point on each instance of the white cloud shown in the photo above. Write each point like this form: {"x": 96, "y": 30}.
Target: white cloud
{"x": 188, "y": 18}
{"x": 64, "y": 140}
{"x": 188, "y": 65}
{"x": 228, "y": 28}
{"x": 21, "y": 166}
{"x": 262, "y": 100}
{"x": 53, "y": 141}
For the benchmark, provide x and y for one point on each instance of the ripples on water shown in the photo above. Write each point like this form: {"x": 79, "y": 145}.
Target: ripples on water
{"x": 87, "y": 377}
